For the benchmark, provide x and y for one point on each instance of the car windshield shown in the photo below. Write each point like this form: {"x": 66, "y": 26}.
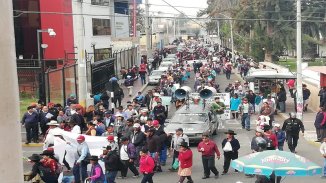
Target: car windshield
{"x": 165, "y": 64}
{"x": 189, "y": 118}
{"x": 157, "y": 73}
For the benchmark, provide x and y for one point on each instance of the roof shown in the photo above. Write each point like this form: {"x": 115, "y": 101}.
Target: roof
{"x": 192, "y": 109}
{"x": 319, "y": 69}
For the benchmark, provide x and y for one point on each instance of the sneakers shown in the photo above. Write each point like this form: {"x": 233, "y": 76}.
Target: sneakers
{"x": 120, "y": 177}
{"x": 27, "y": 142}
{"x": 224, "y": 172}
{"x": 135, "y": 176}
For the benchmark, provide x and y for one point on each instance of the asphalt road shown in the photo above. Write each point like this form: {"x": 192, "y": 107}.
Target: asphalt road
{"x": 304, "y": 148}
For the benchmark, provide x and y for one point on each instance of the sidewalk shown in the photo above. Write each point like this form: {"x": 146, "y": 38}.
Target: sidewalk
{"x": 137, "y": 87}
{"x": 308, "y": 118}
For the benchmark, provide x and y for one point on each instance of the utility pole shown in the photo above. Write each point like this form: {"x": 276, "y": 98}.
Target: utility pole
{"x": 134, "y": 16}
{"x": 147, "y": 31}
{"x": 167, "y": 30}
{"x": 232, "y": 41}
{"x": 299, "y": 61}
{"x": 82, "y": 79}
{"x": 174, "y": 28}
{"x": 10, "y": 132}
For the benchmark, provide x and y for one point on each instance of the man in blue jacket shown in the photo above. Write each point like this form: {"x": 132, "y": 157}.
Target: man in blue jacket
{"x": 30, "y": 121}
{"x": 280, "y": 134}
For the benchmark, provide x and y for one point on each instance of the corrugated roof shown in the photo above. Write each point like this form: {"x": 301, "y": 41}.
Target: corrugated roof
{"x": 320, "y": 69}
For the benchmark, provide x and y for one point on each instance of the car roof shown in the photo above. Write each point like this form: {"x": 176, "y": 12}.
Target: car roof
{"x": 192, "y": 109}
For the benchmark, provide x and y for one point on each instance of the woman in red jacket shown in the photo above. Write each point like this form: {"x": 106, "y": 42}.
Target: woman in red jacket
{"x": 185, "y": 163}
{"x": 146, "y": 166}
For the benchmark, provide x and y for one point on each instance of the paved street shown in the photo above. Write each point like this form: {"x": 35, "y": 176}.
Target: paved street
{"x": 305, "y": 148}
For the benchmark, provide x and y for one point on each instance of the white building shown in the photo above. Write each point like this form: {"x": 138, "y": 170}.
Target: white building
{"x": 95, "y": 24}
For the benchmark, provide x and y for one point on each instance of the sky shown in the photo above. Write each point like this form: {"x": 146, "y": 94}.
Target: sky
{"x": 189, "y": 7}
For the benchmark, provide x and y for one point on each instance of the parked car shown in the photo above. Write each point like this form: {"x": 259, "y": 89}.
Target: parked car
{"x": 165, "y": 66}
{"x": 155, "y": 76}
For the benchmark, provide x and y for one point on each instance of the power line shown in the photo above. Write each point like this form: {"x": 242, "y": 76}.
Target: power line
{"x": 172, "y": 17}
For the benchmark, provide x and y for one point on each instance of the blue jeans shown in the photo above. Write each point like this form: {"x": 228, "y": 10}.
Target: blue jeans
{"x": 143, "y": 79}
{"x": 282, "y": 106}
{"x": 163, "y": 154}
{"x": 80, "y": 170}
{"x": 245, "y": 121}
{"x": 324, "y": 166}
{"x": 110, "y": 176}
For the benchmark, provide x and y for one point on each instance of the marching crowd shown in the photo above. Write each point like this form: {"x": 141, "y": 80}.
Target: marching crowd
{"x": 135, "y": 132}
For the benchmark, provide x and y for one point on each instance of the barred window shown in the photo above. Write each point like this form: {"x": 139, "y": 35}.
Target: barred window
{"x": 101, "y": 2}
{"x": 101, "y": 27}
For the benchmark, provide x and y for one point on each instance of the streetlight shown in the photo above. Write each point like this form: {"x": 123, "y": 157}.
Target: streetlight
{"x": 41, "y": 65}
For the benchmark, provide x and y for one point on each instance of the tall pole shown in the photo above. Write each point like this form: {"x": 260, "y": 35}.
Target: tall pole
{"x": 82, "y": 77}
{"x": 10, "y": 127}
{"x": 174, "y": 28}
{"x": 167, "y": 30}
{"x": 299, "y": 61}
{"x": 232, "y": 43}
{"x": 147, "y": 31}
{"x": 134, "y": 16}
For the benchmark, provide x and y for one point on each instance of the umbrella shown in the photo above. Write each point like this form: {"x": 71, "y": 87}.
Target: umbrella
{"x": 282, "y": 163}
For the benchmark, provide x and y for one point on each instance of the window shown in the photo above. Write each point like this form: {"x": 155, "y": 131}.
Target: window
{"x": 101, "y": 27}
{"x": 101, "y": 2}
{"x": 102, "y": 54}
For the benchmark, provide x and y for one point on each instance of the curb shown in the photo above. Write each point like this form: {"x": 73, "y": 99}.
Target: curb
{"x": 32, "y": 145}
{"x": 311, "y": 142}
{"x": 141, "y": 89}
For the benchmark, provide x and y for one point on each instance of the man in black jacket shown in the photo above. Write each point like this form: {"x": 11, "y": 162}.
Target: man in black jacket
{"x": 78, "y": 118}
{"x": 292, "y": 127}
{"x": 44, "y": 118}
{"x": 230, "y": 146}
{"x": 112, "y": 162}
{"x": 153, "y": 144}
{"x": 148, "y": 98}
{"x": 138, "y": 138}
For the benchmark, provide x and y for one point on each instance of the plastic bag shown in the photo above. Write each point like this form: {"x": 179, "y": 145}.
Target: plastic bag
{"x": 176, "y": 164}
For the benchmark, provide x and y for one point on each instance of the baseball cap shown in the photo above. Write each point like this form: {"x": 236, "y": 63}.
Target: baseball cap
{"x": 81, "y": 137}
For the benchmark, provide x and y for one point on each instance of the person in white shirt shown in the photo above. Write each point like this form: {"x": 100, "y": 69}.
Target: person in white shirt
{"x": 323, "y": 153}
{"x": 75, "y": 128}
{"x": 130, "y": 111}
{"x": 53, "y": 131}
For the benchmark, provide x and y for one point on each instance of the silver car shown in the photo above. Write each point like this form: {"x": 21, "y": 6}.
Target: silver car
{"x": 194, "y": 121}
{"x": 155, "y": 76}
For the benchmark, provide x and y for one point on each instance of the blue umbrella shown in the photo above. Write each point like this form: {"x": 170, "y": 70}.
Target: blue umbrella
{"x": 282, "y": 163}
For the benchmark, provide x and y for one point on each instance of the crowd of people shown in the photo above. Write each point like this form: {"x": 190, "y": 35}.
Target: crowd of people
{"x": 135, "y": 132}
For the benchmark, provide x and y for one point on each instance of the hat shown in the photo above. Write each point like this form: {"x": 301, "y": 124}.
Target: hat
{"x": 47, "y": 153}
{"x": 136, "y": 125}
{"x": 267, "y": 127}
{"x": 119, "y": 115}
{"x": 53, "y": 123}
{"x": 259, "y": 130}
{"x": 123, "y": 139}
{"x": 94, "y": 158}
{"x": 155, "y": 122}
{"x": 156, "y": 95}
{"x": 35, "y": 157}
{"x": 144, "y": 110}
{"x": 277, "y": 125}
{"x": 108, "y": 147}
{"x": 128, "y": 76}
{"x": 179, "y": 130}
{"x": 110, "y": 137}
{"x": 108, "y": 112}
{"x": 231, "y": 132}
{"x": 81, "y": 137}
{"x": 184, "y": 144}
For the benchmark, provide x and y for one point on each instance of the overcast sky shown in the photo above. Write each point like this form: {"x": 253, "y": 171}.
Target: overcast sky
{"x": 195, "y": 5}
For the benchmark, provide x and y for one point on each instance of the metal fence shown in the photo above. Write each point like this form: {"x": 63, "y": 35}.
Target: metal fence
{"x": 60, "y": 83}
{"x": 98, "y": 73}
